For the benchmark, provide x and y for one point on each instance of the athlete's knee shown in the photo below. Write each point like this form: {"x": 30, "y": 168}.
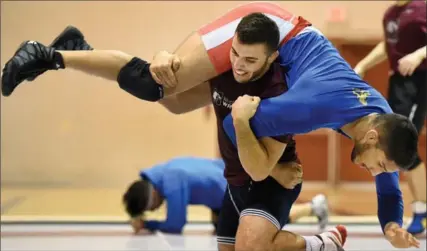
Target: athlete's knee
{"x": 247, "y": 245}
{"x": 255, "y": 233}
{"x": 225, "y": 247}
{"x": 136, "y": 79}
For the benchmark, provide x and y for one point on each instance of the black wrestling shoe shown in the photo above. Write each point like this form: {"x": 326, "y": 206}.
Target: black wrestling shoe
{"x": 70, "y": 39}
{"x": 30, "y": 59}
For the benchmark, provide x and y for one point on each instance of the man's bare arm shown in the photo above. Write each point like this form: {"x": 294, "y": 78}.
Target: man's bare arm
{"x": 258, "y": 157}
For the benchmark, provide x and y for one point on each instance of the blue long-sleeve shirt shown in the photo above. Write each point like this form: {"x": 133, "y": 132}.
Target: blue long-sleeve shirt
{"x": 182, "y": 182}
{"x": 389, "y": 195}
{"x": 324, "y": 92}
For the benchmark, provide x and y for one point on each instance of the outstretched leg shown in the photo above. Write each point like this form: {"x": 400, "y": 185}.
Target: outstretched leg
{"x": 256, "y": 233}
{"x": 261, "y": 222}
{"x": 203, "y": 56}
{"x": 317, "y": 207}
{"x": 131, "y": 72}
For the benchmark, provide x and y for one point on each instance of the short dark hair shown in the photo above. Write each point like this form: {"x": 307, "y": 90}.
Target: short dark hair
{"x": 257, "y": 28}
{"x": 137, "y": 197}
{"x": 398, "y": 139}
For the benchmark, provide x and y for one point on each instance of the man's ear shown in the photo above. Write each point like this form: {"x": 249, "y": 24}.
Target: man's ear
{"x": 371, "y": 137}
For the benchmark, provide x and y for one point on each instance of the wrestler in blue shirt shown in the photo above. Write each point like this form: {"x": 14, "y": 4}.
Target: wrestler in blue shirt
{"x": 180, "y": 182}
{"x": 325, "y": 92}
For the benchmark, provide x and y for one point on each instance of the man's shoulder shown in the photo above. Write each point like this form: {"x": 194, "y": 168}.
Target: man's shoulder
{"x": 414, "y": 10}
{"x": 418, "y": 5}
{"x": 390, "y": 11}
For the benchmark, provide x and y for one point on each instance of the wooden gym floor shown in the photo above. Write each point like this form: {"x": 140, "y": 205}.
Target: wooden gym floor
{"x": 93, "y": 219}
{"x": 101, "y": 204}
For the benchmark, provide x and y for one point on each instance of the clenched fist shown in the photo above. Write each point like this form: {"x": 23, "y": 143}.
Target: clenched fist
{"x": 288, "y": 174}
{"x": 163, "y": 68}
{"x": 244, "y": 107}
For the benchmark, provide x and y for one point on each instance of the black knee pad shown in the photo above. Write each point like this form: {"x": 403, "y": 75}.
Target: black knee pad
{"x": 415, "y": 163}
{"x": 135, "y": 78}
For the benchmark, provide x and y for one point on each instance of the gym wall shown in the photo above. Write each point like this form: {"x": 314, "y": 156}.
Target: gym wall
{"x": 70, "y": 129}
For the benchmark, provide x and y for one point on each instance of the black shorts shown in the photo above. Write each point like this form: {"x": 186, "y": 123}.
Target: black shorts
{"x": 267, "y": 199}
{"x": 408, "y": 96}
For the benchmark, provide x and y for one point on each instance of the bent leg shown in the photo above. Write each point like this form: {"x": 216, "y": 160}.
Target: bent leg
{"x": 417, "y": 181}
{"x": 417, "y": 176}
{"x": 317, "y": 207}
{"x": 109, "y": 64}
{"x": 300, "y": 210}
{"x": 203, "y": 55}
{"x": 259, "y": 234}
{"x": 407, "y": 96}
{"x": 264, "y": 217}
{"x": 195, "y": 68}
{"x": 256, "y": 233}
{"x": 101, "y": 63}
{"x": 228, "y": 220}
{"x": 132, "y": 73}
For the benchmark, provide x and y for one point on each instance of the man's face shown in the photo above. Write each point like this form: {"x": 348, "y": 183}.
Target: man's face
{"x": 157, "y": 200}
{"x": 367, "y": 154}
{"x": 249, "y": 62}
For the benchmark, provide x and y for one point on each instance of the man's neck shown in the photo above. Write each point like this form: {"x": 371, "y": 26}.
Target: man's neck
{"x": 358, "y": 128}
{"x": 264, "y": 71}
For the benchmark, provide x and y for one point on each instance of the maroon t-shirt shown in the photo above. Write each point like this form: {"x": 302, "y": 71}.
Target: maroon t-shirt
{"x": 405, "y": 31}
{"x": 225, "y": 90}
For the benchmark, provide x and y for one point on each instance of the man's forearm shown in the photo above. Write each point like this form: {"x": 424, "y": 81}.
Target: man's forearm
{"x": 421, "y": 52}
{"x": 101, "y": 63}
{"x": 376, "y": 56}
{"x": 390, "y": 202}
{"x": 163, "y": 226}
{"x": 252, "y": 153}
